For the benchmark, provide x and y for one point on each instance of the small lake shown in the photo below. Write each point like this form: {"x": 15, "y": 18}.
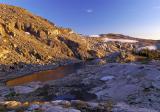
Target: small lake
{"x": 48, "y": 75}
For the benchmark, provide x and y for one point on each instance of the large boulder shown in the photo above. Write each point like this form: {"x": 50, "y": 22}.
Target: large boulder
{"x": 28, "y": 88}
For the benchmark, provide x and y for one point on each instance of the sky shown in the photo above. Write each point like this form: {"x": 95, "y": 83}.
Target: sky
{"x": 139, "y": 18}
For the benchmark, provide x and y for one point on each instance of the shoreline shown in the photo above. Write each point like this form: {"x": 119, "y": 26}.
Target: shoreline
{"x": 29, "y": 69}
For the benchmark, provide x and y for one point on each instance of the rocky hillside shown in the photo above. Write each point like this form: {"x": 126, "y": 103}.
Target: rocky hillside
{"x": 28, "y": 38}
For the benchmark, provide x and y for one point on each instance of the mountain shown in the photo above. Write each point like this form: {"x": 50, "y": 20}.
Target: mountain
{"x": 25, "y": 37}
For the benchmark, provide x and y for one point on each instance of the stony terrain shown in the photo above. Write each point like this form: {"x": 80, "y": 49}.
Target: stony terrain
{"x": 131, "y": 87}
{"x": 122, "y": 73}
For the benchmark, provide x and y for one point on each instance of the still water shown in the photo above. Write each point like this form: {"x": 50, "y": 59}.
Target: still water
{"x": 43, "y": 76}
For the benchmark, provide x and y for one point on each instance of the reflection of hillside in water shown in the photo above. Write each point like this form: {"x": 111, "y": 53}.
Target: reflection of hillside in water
{"x": 158, "y": 46}
{"x": 43, "y": 76}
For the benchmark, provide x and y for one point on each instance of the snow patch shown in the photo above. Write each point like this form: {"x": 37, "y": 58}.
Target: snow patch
{"x": 94, "y": 36}
{"x": 120, "y": 40}
{"x": 148, "y": 47}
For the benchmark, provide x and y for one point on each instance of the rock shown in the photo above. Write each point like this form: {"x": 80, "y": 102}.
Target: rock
{"x": 93, "y": 105}
{"x": 123, "y": 107}
{"x": 55, "y": 109}
{"x": 46, "y": 106}
{"x": 42, "y": 34}
{"x": 156, "y": 84}
{"x": 34, "y": 107}
{"x": 23, "y": 89}
{"x": 27, "y": 33}
{"x": 2, "y": 32}
{"x": 78, "y": 103}
{"x": 12, "y": 104}
{"x": 61, "y": 109}
{"x": 121, "y": 92}
{"x": 113, "y": 57}
{"x": 98, "y": 62}
{"x": 61, "y": 102}
{"x": 65, "y": 97}
{"x": 106, "y": 78}
{"x": 2, "y": 99}
{"x": 4, "y": 91}
{"x": 73, "y": 110}
{"x": 12, "y": 111}
{"x": 28, "y": 88}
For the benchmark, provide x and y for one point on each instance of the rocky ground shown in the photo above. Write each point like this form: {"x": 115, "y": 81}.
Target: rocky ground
{"x": 129, "y": 87}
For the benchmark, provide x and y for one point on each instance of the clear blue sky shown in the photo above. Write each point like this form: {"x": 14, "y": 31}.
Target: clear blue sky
{"x": 132, "y": 17}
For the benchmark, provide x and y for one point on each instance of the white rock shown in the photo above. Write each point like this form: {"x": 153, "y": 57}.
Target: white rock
{"x": 27, "y": 88}
{"x": 27, "y": 33}
{"x": 106, "y": 78}
{"x": 23, "y": 89}
{"x": 61, "y": 102}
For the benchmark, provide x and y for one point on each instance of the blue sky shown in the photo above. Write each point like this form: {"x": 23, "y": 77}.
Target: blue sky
{"x": 140, "y": 18}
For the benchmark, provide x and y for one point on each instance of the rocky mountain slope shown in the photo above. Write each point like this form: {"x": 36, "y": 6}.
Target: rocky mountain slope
{"x": 28, "y": 38}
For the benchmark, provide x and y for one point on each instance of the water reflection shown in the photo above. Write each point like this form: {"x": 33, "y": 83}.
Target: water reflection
{"x": 43, "y": 76}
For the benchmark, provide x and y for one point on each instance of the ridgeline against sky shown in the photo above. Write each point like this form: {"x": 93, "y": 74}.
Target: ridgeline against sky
{"x": 138, "y": 18}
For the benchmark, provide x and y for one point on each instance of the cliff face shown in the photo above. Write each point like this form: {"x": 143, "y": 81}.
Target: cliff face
{"x": 28, "y": 38}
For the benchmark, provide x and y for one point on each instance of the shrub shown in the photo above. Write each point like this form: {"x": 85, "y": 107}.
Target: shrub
{"x": 150, "y": 54}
